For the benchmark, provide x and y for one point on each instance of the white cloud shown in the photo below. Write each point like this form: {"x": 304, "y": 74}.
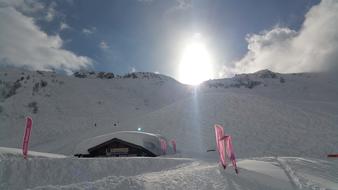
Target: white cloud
{"x": 25, "y": 6}
{"x": 313, "y": 48}
{"x": 23, "y": 44}
{"x": 183, "y": 4}
{"x": 132, "y": 69}
{"x": 103, "y": 45}
{"x": 88, "y": 31}
{"x": 51, "y": 12}
{"x": 64, "y": 26}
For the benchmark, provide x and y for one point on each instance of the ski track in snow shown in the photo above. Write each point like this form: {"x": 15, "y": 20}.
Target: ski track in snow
{"x": 290, "y": 173}
{"x": 66, "y": 173}
{"x": 204, "y": 175}
{"x": 307, "y": 174}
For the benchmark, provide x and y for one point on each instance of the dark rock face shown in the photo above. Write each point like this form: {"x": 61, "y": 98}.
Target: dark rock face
{"x": 80, "y": 75}
{"x": 266, "y": 74}
{"x": 33, "y": 106}
{"x": 105, "y": 75}
{"x": 9, "y": 89}
{"x": 246, "y": 80}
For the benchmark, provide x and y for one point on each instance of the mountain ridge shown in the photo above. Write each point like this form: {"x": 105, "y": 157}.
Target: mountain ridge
{"x": 68, "y": 109}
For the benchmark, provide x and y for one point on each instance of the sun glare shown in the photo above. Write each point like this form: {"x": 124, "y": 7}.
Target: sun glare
{"x": 195, "y": 65}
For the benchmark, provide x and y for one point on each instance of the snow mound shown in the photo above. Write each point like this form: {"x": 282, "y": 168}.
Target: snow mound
{"x": 281, "y": 173}
{"x": 18, "y": 174}
{"x": 17, "y": 153}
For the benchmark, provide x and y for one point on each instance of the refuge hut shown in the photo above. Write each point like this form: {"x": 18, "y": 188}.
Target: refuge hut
{"x": 124, "y": 144}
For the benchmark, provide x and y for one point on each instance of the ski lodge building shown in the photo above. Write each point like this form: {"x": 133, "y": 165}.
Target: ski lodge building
{"x": 124, "y": 144}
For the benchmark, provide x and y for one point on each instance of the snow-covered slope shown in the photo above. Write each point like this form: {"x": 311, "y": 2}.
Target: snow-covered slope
{"x": 281, "y": 173}
{"x": 68, "y": 109}
{"x": 268, "y": 114}
{"x": 7, "y": 153}
{"x": 296, "y": 117}
{"x": 260, "y": 126}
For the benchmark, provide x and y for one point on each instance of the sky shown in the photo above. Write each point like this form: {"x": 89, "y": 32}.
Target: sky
{"x": 124, "y": 36}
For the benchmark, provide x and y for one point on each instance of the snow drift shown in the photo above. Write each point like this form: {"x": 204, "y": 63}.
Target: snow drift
{"x": 281, "y": 173}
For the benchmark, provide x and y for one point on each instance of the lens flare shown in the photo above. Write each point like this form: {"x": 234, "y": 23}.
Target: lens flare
{"x": 196, "y": 64}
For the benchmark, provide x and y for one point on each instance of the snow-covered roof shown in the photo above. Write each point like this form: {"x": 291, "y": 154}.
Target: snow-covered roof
{"x": 149, "y": 141}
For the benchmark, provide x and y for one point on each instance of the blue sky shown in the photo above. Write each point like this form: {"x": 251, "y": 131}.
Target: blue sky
{"x": 121, "y": 36}
{"x": 144, "y": 35}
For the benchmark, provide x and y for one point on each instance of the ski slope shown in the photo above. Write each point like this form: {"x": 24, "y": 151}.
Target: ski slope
{"x": 88, "y": 105}
{"x": 260, "y": 126}
{"x": 292, "y": 113}
{"x": 165, "y": 173}
{"x": 283, "y": 126}
{"x": 257, "y": 109}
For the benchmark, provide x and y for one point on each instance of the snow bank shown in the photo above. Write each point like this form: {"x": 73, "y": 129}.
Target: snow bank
{"x": 281, "y": 173}
{"x": 17, "y": 173}
{"x": 17, "y": 153}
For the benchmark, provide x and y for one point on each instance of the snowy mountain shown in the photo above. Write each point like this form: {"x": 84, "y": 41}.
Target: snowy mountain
{"x": 297, "y": 117}
{"x": 286, "y": 110}
{"x": 270, "y": 116}
{"x": 74, "y": 108}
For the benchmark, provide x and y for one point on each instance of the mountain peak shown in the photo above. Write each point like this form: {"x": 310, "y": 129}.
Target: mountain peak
{"x": 266, "y": 73}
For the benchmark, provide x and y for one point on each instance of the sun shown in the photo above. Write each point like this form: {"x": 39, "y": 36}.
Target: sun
{"x": 196, "y": 64}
